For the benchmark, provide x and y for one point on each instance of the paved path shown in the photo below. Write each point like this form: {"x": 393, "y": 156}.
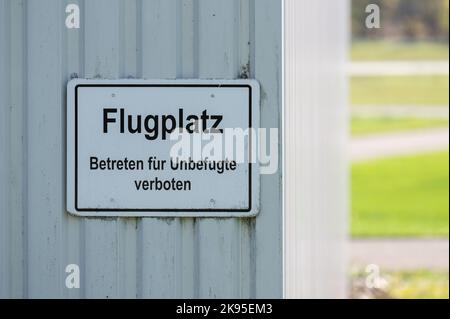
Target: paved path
{"x": 419, "y": 111}
{"x": 400, "y": 254}
{"x": 380, "y": 68}
{"x": 403, "y": 143}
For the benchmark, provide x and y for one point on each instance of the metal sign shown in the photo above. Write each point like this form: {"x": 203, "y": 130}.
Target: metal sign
{"x": 162, "y": 148}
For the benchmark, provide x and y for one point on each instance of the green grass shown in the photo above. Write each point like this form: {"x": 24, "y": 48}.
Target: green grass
{"x": 401, "y": 196}
{"x": 369, "y": 125}
{"x": 421, "y": 284}
{"x": 383, "y": 90}
{"x": 411, "y": 284}
{"x": 385, "y": 50}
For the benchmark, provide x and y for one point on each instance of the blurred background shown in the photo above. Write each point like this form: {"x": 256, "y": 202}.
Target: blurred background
{"x": 399, "y": 150}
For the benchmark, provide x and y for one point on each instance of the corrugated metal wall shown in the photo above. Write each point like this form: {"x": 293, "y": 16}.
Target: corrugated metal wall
{"x": 127, "y": 257}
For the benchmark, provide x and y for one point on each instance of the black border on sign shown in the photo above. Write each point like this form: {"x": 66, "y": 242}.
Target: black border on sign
{"x": 168, "y": 209}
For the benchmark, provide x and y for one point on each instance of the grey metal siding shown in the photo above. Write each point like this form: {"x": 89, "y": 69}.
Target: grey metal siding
{"x": 128, "y": 257}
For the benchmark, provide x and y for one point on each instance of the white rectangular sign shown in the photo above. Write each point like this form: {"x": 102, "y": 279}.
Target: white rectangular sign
{"x": 162, "y": 148}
